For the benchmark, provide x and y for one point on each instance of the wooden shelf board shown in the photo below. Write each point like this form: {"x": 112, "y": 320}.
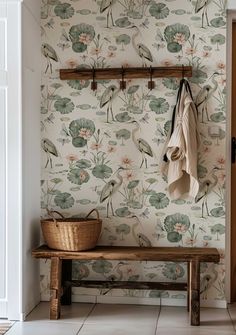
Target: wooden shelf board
{"x": 129, "y": 73}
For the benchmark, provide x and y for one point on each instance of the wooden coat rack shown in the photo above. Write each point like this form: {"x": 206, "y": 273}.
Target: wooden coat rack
{"x": 126, "y": 73}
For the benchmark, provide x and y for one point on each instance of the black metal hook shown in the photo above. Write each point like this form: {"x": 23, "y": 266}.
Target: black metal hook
{"x": 151, "y": 83}
{"x": 94, "y": 83}
{"x": 122, "y": 82}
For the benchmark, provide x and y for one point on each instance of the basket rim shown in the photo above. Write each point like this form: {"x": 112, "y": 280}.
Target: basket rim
{"x": 72, "y": 221}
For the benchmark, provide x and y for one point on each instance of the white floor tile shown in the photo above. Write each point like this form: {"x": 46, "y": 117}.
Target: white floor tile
{"x": 93, "y": 329}
{"x": 44, "y": 328}
{"x": 192, "y": 331}
{"x": 178, "y": 317}
{"x": 77, "y": 312}
{"x": 232, "y": 313}
{"x": 123, "y": 315}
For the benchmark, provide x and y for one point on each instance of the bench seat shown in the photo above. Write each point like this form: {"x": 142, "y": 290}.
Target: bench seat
{"x": 61, "y": 271}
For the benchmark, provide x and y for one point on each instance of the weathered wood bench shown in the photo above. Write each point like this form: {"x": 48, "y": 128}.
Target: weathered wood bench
{"x": 61, "y": 272}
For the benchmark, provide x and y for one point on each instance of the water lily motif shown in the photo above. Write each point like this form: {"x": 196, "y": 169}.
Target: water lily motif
{"x": 159, "y": 10}
{"x": 64, "y": 105}
{"x": 173, "y": 271}
{"x": 81, "y": 36}
{"x": 159, "y": 200}
{"x": 78, "y": 176}
{"x": 64, "y": 10}
{"x": 159, "y": 105}
{"x": 64, "y": 200}
{"x": 176, "y": 35}
{"x": 102, "y": 266}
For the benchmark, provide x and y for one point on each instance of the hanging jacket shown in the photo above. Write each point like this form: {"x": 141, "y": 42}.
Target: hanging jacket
{"x": 182, "y": 147}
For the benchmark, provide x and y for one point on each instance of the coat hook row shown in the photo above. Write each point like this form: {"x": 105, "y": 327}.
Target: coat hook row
{"x": 95, "y": 74}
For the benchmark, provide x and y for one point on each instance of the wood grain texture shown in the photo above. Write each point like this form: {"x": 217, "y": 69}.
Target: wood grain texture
{"x": 233, "y": 174}
{"x": 133, "y": 254}
{"x": 55, "y": 286}
{"x": 100, "y": 284}
{"x": 128, "y": 73}
{"x": 188, "y": 286}
{"x": 194, "y": 293}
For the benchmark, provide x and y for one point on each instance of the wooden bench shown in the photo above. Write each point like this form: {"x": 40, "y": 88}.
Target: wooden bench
{"x": 61, "y": 272}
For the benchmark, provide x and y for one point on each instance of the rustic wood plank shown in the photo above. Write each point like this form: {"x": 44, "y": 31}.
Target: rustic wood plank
{"x": 128, "y": 73}
{"x": 195, "y": 293}
{"x": 55, "y": 286}
{"x": 66, "y": 275}
{"x": 160, "y": 286}
{"x": 188, "y": 285}
{"x": 166, "y": 254}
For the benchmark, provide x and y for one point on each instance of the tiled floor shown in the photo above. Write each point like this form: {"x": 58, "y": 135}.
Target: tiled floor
{"x": 90, "y": 319}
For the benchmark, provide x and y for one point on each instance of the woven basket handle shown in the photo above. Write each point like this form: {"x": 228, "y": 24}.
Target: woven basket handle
{"x": 51, "y": 214}
{"x": 93, "y": 210}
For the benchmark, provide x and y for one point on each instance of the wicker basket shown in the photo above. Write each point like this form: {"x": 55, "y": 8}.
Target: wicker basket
{"x": 71, "y": 234}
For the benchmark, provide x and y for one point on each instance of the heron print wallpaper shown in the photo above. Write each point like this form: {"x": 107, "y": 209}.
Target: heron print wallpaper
{"x": 103, "y": 149}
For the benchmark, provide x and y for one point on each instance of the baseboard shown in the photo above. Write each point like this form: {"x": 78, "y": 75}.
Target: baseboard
{"x": 101, "y": 299}
{"x": 3, "y": 309}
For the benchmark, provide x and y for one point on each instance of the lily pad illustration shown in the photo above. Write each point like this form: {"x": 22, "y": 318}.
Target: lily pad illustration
{"x": 173, "y": 271}
{"x": 218, "y": 40}
{"x": 83, "y": 164}
{"x": 218, "y": 212}
{"x": 217, "y": 117}
{"x": 78, "y": 176}
{"x": 81, "y": 36}
{"x": 102, "y": 171}
{"x": 179, "y": 223}
{"x": 123, "y": 22}
{"x": 159, "y": 10}
{"x": 79, "y": 270}
{"x": 64, "y": 105}
{"x": 123, "y": 135}
{"x": 176, "y": 36}
{"x": 123, "y": 40}
{"x": 218, "y": 22}
{"x": 123, "y": 229}
{"x": 132, "y": 184}
{"x": 123, "y": 117}
{"x": 171, "y": 83}
{"x": 81, "y": 130}
{"x": 174, "y": 237}
{"x": 159, "y": 106}
{"x": 122, "y": 212}
{"x": 64, "y": 200}
{"x": 102, "y": 266}
{"x": 64, "y": 10}
{"x": 159, "y": 200}
{"x": 218, "y": 229}
{"x": 78, "y": 84}
{"x": 199, "y": 76}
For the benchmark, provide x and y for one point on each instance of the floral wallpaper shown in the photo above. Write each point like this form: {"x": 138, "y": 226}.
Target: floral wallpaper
{"x": 104, "y": 148}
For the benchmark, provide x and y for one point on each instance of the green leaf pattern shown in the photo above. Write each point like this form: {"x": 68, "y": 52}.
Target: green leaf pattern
{"x": 88, "y": 162}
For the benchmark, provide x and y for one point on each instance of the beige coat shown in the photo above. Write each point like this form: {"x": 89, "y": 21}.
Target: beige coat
{"x": 182, "y": 150}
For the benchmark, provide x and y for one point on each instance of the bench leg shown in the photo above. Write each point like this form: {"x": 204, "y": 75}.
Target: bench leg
{"x": 188, "y": 285}
{"x": 66, "y": 276}
{"x": 195, "y": 293}
{"x": 55, "y": 286}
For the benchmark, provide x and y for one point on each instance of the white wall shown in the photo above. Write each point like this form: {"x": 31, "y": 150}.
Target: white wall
{"x": 20, "y": 65}
{"x": 3, "y": 107}
{"x": 31, "y": 77}
{"x": 231, "y": 4}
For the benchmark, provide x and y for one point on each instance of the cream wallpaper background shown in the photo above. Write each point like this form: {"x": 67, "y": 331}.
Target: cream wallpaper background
{"x": 89, "y": 146}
